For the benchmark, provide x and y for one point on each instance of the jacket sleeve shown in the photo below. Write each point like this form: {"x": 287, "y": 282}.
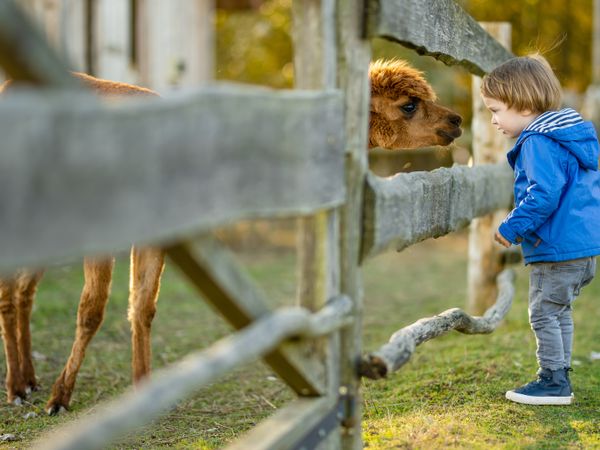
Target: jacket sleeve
{"x": 541, "y": 161}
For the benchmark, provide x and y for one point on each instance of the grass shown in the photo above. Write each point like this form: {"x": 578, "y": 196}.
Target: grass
{"x": 450, "y": 395}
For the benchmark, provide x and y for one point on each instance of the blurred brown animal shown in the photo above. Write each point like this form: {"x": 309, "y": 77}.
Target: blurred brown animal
{"x": 17, "y": 295}
{"x": 403, "y": 115}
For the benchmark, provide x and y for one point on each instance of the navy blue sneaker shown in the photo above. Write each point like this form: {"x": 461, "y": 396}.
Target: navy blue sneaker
{"x": 567, "y": 370}
{"x": 552, "y": 387}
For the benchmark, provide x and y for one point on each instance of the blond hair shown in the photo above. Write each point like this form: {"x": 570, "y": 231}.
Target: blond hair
{"x": 526, "y": 83}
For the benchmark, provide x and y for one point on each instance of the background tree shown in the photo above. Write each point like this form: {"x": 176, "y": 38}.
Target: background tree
{"x": 560, "y": 29}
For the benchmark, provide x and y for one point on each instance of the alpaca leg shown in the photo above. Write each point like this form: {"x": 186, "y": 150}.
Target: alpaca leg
{"x": 26, "y": 287}
{"x": 15, "y": 385}
{"x": 147, "y": 265}
{"x": 98, "y": 274}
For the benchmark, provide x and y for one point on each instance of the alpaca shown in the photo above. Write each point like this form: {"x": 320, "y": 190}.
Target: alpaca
{"x": 17, "y": 294}
{"x": 403, "y": 115}
{"x": 403, "y": 112}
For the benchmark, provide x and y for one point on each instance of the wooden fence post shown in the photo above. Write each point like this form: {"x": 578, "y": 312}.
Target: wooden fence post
{"x": 489, "y": 146}
{"x": 354, "y": 54}
{"x": 318, "y": 235}
{"x": 590, "y": 109}
{"x": 318, "y": 241}
{"x": 596, "y": 44}
{"x": 175, "y": 42}
{"x": 112, "y": 32}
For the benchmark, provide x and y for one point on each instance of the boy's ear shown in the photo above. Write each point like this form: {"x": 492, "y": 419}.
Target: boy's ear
{"x": 527, "y": 112}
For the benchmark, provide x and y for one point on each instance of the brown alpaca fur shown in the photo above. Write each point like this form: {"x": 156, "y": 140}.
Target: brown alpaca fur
{"x": 393, "y": 86}
{"x": 403, "y": 109}
{"x": 17, "y": 294}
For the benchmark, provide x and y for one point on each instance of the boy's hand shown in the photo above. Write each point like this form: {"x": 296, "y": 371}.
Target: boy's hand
{"x": 501, "y": 240}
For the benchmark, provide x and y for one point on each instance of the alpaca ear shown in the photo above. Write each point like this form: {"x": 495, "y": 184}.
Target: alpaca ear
{"x": 385, "y": 107}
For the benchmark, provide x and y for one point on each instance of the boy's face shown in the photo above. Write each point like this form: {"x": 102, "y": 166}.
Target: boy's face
{"x": 508, "y": 120}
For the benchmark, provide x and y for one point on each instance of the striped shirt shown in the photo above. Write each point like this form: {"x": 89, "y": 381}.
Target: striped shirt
{"x": 554, "y": 120}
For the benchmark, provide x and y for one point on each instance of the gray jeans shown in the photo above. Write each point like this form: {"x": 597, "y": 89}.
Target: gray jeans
{"x": 552, "y": 289}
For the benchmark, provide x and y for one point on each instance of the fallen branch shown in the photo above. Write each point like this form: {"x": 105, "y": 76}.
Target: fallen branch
{"x": 393, "y": 355}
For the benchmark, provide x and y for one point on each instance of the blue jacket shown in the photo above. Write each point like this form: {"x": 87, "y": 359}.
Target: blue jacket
{"x": 557, "y": 189}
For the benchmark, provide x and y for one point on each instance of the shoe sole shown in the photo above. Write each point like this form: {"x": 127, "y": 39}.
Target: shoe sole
{"x": 531, "y": 400}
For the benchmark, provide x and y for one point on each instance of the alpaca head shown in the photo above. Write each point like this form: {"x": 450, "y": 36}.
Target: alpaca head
{"x": 403, "y": 112}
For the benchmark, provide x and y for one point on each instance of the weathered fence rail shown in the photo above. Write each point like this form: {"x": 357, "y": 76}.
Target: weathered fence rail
{"x": 24, "y": 52}
{"x": 169, "y": 385}
{"x": 438, "y": 28}
{"x": 408, "y": 208}
{"x": 78, "y": 176}
{"x": 155, "y": 169}
{"x": 224, "y": 284}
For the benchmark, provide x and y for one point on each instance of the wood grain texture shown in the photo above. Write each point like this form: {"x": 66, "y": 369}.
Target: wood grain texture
{"x": 318, "y": 262}
{"x": 438, "y": 28}
{"x": 214, "y": 272}
{"x": 410, "y": 207}
{"x": 353, "y": 64}
{"x": 169, "y": 385}
{"x": 24, "y": 52}
{"x": 79, "y": 178}
{"x": 287, "y": 426}
{"x": 489, "y": 146}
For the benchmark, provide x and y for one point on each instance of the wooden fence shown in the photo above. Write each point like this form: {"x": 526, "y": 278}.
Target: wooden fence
{"x": 162, "y": 45}
{"x": 80, "y": 177}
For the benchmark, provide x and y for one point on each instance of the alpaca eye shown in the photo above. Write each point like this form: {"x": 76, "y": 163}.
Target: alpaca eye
{"x": 409, "y": 108}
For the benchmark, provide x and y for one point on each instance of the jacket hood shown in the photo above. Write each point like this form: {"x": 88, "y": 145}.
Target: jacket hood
{"x": 567, "y": 128}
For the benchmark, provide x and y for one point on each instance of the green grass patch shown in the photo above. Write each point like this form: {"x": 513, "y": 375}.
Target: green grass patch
{"x": 450, "y": 395}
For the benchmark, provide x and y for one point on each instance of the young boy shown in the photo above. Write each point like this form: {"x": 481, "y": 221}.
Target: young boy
{"x": 556, "y": 218}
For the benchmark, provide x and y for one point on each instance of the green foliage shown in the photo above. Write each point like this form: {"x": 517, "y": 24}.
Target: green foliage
{"x": 255, "y": 47}
{"x": 562, "y": 30}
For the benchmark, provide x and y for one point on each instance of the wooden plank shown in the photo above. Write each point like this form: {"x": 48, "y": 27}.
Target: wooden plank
{"x": 46, "y": 16}
{"x": 393, "y": 355}
{"x": 354, "y": 54}
{"x": 77, "y": 177}
{"x": 214, "y": 273}
{"x": 438, "y": 28}
{"x": 63, "y": 24}
{"x": 287, "y": 426}
{"x": 24, "y": 52}
{"x": 410, "y": 207}
{"x": 167, "y": 386}
{"x": 205, "y": 50}
{"x": 73, "y": 40}
{"x": 315, "y": 64}
{"x": 73, "y": 34}
{"x": 111, "y": 51}
{"x": 591, "y": 102}
{"x": 489, "y": 146}
{"x": 175, "y": 43}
